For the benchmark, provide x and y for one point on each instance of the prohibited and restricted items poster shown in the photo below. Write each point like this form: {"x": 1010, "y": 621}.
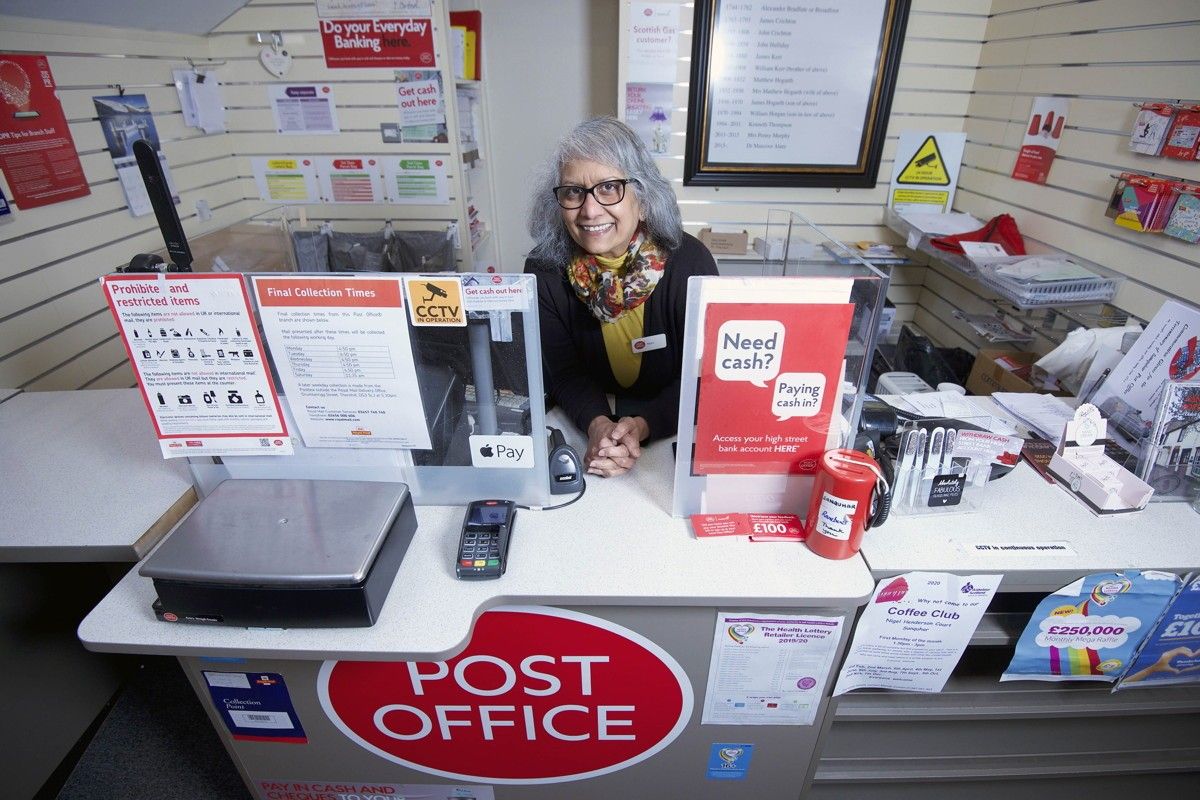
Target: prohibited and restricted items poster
{"x": 199, "y": 362}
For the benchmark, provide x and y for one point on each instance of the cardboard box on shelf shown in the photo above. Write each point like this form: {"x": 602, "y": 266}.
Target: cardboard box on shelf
{"x": 1000, "y": 370}
{"x": 725, "y": 242}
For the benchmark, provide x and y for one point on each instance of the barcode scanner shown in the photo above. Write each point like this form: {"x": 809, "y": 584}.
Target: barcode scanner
{"x": 566, "y": 470}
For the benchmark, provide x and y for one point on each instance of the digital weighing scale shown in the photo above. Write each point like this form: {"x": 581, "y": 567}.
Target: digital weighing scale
{"x": 284, "y": 554}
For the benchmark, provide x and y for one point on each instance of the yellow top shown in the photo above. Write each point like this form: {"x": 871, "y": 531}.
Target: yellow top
{"x": 619, "y": 335}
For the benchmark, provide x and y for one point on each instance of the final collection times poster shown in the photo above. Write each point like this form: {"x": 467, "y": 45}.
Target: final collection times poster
{"x": 769, "y": 384}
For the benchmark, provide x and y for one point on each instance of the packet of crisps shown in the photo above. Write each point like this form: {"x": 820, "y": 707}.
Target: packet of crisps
{"x": 1090, "y": 630}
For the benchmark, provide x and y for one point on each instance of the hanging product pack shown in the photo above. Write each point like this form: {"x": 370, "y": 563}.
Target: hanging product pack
{"x": 1001, "y": 230}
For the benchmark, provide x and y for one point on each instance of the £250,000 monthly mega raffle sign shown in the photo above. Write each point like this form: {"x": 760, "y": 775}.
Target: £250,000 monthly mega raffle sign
{"x": 540, "y": 695}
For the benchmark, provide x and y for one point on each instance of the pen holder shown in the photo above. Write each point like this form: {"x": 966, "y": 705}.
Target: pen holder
{"x": 933, "y": 477}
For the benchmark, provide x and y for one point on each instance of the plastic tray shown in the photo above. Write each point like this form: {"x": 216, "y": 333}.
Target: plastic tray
{"x": 1034, "y": 294}
{"x": 1024, "y": 295}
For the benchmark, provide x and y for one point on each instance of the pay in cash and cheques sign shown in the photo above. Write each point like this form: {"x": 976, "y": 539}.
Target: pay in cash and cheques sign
{"x": 540, "y": 695}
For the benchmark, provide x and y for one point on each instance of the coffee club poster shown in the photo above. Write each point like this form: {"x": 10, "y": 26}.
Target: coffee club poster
{"x": 768, "y": 386}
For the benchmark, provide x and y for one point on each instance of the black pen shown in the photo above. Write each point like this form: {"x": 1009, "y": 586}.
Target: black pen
{"x": 1092, "y": 392}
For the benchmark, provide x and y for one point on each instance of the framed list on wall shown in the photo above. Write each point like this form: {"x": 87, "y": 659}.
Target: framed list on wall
{"x": 791, "y": 92}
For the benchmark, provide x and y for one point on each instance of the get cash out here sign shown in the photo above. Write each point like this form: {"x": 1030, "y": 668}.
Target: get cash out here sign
{"x": 540, "y": 695}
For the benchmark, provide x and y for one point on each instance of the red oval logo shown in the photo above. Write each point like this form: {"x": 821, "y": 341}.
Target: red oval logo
{"x": 639, "y": 345}
{"x": 540, "y": 695}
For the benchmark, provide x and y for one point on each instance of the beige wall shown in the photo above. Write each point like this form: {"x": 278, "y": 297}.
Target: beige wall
{"x": 968, "y": 65}
{"x": 1104, "y": 55}
{"x": 933, "y": 89}
{"x": 55, "y": 330}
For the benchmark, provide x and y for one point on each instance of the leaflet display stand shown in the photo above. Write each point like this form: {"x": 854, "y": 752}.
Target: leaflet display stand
{"x": 774, "y": 370}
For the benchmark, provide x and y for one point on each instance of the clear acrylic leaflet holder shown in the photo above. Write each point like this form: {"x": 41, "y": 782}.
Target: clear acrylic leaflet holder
{"x": 805, "y": 281}
{"x": 485, "y": 378}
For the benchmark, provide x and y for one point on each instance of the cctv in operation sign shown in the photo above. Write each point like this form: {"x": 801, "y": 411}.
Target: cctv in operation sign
{"x": 540, "y": 695}
{"x": 435, "y": 302}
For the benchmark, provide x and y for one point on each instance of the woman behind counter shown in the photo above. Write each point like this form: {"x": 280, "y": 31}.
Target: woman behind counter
{"x": 612, "y": 262}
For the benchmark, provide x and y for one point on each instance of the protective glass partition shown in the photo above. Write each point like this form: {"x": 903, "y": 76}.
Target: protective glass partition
{"x": 774, "y": 372}
{"x": 433, "y": 380}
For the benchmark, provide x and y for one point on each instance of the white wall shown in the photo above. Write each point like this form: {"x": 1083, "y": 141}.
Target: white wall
{"x": 548, "y": 64}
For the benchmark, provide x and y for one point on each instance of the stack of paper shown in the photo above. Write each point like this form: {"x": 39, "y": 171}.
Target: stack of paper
{"x": 1044, "y": 414}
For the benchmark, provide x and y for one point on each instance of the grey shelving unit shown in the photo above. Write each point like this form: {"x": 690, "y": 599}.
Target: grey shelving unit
{"x": 1051, "y": 320}
{"x": 981, "y": 738}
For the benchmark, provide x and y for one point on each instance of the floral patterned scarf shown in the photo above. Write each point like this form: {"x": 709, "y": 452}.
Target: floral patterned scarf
{"x": 607, "y": 294}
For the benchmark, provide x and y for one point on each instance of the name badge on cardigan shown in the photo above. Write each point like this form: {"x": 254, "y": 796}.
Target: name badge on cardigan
{"x": 656, "y": 342}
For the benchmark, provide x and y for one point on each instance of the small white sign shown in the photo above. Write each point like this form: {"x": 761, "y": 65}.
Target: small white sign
{"x": 379, "y": 9}
{"x": 267, "y": 720}
{"x": 769, "y": 669}
{"x": 418, "y": 180}
{"x": 1026, "y": 548}
{"x": 497, "y": 292}
{"x": 303, "y": 109}
{"x": 974, "y": 250}
{"x": 502, "y": 452}
{"x": 653, "y": 44}
{"x": 285, "y": 179}
{"x": 228, "y": 680}
{"x": 925, "y": 172}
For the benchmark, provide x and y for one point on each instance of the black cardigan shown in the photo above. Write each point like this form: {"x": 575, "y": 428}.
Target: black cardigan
{"x": 577, "y": 370}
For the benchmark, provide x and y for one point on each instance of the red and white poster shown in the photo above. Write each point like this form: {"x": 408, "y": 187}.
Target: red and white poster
{"x": 350, "y": 179}
{"x": 37, "y": 152}
{"x": 367, "y": 43}
{"x": 1042, "y": 135}
{"x": 768, "y": 386}
{"x": 199, "y": 363}
{"x": 540, "y": 695}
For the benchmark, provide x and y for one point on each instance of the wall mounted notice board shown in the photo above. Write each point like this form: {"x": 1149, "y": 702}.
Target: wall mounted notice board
{"x": 791, "y": 93}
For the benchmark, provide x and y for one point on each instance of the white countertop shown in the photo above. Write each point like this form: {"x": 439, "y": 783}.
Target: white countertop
{"x": 619, "y": 545}
{"x": 83, "y": 477}
{"x": 1021, "y": 511}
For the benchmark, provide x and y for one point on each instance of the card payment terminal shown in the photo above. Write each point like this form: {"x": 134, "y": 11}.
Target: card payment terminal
{"x": 483, "y": 545}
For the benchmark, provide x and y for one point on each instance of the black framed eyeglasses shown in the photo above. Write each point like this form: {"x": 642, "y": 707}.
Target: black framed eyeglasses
{"x": 607, "y": 193}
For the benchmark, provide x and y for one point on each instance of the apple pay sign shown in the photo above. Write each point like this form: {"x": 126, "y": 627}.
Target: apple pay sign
{"x": 503, "y": 452}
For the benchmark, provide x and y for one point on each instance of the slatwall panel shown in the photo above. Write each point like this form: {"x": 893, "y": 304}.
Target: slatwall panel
{"x": 364, "y": 98}
{"x": 1104, "y": 55}
{"x": 55, "y": 330}
{"x": 933, "y": 92}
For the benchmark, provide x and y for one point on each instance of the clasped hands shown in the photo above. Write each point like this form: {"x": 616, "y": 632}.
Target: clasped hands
{"x": 614, "y": 447}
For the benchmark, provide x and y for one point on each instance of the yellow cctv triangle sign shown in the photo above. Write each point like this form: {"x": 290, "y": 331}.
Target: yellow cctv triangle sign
{"x": 926, "y": 167}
